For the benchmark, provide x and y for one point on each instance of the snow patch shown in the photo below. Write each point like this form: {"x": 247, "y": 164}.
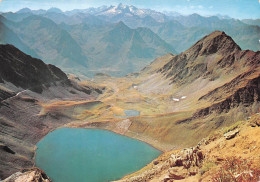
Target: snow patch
{"x": 175, "y": 99}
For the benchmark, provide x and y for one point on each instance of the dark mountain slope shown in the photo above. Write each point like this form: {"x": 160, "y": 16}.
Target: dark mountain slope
{"x": 27, "y": 72}
{"x": 26, "y": 85}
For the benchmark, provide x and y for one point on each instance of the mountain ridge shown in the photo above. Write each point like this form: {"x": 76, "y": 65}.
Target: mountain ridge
{"x": 206, "y": 85}
{"x": 81, "y": 44}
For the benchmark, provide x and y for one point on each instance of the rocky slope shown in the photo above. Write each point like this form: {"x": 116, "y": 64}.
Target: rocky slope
{"x": 28, "y": 175}
{"x": 26, "y": 85}
{"x": 26, "y": 72}
{"x": 208, "y": 83}
{"x": 206, "y": 161}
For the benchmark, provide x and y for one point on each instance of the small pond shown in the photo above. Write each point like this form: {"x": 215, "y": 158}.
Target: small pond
{"x": 129, "y": 113}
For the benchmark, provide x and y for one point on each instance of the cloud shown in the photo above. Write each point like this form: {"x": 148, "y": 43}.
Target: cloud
{"x": 200, "y": 7}
{"x": 197, "y": 7}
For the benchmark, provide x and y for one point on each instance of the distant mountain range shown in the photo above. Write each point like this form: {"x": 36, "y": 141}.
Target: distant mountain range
{"x": 8, "y": 36}
{"x": 114, "y": 39}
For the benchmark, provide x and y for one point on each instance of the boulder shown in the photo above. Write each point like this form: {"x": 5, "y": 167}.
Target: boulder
{"x": 177, "y": 173}
{"x": 28, "y": 175}
{"x": 231, "y": 134}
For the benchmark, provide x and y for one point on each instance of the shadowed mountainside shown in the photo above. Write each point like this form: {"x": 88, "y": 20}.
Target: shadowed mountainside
{"x": 26, "y": 72}
{"x": 26, "y": 84}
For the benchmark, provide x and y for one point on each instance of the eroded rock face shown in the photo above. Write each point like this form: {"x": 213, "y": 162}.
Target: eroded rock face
{"x": 29, "y": 175}
{"x": 189, "y": 159}
{"x": 180, "y": 165}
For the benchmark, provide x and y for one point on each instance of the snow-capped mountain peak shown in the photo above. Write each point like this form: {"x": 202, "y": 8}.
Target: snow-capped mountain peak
{"x": 130, "y": 10}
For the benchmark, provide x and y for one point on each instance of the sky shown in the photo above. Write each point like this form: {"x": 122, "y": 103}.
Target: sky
{"x": 239, "y": 9}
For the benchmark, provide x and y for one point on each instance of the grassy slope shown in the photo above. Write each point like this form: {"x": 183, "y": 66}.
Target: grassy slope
{"x": 216, "y": 149}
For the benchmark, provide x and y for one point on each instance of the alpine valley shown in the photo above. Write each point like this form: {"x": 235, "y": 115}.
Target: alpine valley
{"x": 102, "y": 83}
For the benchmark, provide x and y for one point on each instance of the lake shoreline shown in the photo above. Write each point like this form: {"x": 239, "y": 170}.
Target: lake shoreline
{"x": 123, "y": 154}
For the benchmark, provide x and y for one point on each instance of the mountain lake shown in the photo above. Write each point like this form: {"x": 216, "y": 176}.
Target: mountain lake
{"x": 91, "y": 155}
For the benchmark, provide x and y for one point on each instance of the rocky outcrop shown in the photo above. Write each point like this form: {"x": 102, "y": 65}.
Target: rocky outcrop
{"x": 4, "y": 94}
{"x": 28, "y": 175}
{"x": 189, "y": 159}
{"x": 246, "y": 96}
{"x": 231, "y": 134}
{"x": 5, "y": 148}
{"x": 179, "y": 165}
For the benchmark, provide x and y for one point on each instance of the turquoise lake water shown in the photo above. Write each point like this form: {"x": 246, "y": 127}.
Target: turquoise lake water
{"x": 129, "y": 113}
{"x": 91, "y": 155}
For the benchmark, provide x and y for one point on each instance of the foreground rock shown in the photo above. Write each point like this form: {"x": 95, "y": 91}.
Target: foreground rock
{"x": 177, "y": 166}
{"x": 29, "y": 175}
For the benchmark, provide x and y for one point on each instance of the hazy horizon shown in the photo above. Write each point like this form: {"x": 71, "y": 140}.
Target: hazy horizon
{"x": 238, "y": 9}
